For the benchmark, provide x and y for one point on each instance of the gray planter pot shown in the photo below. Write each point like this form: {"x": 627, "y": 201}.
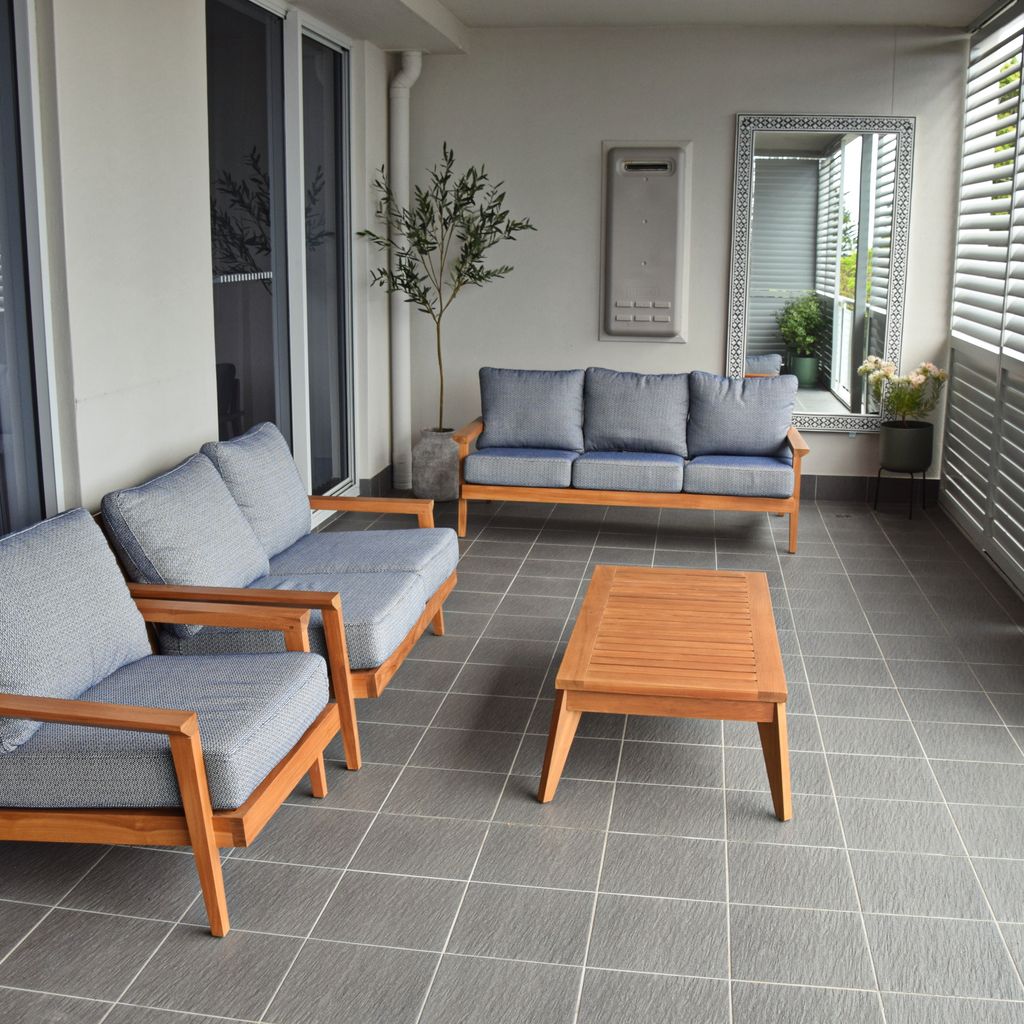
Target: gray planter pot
{"x": 805, "y": 368}
{"x": 435, "y": 466}
{"x": 906, "y": 447}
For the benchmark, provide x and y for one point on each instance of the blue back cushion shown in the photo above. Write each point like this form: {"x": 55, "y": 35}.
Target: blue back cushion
{"x": 184, "y": 527}
{"x": 739, "y": 417}
{"x": 770, "y": 362}
{"x": 261, "y": 475}
{"x": 635, "y": 412}
{"x": 67, "y": 620}
{"x": 531, "y": 409}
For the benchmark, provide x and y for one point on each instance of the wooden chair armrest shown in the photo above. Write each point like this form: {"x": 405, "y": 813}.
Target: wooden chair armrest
{"x": 316, "y": 600}
{"x": 422, "y": 508}
{"x": 796, "y": 442}
{"x": 104, "y": 716}
{"x": 470, "y": 432}
{"x": 228, "y": 616}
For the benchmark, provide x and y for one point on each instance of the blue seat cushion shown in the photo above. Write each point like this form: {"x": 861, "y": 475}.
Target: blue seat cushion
{"x": 66, "y": 617}
{"x": 252, "y": 711}
{"x": 432, "y": 554}
{"x": 377, "y": 608}
{"x": 520, "y": 467}
{"x": 531, "y": 409}
{"x": 739, "y": 417}
{"x": 635, "y": 412}
{"x": 628, "y": 471}
{"x": 746, "y": 476}
{"x": 768, "y": 362}
{"x": 184, "y": 528}
{"x": 262, "y": 477}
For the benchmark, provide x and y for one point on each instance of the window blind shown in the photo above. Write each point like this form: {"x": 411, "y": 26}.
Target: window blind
{"x": 881, "y": 236}
{"x": 830, "y": 191}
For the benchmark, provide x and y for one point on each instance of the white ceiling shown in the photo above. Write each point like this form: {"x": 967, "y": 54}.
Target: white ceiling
{"x": 579, "y": 13}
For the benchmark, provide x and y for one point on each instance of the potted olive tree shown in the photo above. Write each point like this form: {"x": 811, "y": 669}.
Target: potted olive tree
{"x": 906, "y": 442}
{"x": 437, "y": 246}
{"x": 801, "y": 323}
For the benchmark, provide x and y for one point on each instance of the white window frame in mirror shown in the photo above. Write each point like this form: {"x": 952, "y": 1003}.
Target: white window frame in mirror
{"x": 746, "y": 127}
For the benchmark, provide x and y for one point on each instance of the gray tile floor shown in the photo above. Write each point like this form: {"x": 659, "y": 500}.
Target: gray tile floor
{"x": 431, "y": 887}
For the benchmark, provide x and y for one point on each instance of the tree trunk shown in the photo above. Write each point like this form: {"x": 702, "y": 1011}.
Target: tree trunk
{"x": 440, "y": 372}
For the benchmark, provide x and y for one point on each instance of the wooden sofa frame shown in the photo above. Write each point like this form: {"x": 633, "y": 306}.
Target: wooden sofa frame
{"x": 347, "y": 684}
{"x": 640, "y": 499}
{"x": 196, "y": 824}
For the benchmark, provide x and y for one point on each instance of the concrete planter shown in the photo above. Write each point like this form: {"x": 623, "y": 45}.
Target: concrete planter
{"x": 805, "y": 368}
{"x": 906, "y": 447}
{"x": 435, "y": 466}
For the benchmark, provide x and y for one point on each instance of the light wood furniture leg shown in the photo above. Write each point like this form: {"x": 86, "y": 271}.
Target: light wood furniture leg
{"x": 463, "y": 516}
{"x": 775, "y": 747}
{"x": 563, "y": 729}
{"x": 794, "y": 520}
{"x": 318, "y": 777}
{"x": 437, "y": 623}
{"x": 195, "y": 801}
{"x": 341, "y": 684}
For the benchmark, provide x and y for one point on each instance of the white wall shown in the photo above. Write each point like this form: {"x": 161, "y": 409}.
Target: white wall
{"x": 128, "y": 191}
{"x": 535, "y": 105}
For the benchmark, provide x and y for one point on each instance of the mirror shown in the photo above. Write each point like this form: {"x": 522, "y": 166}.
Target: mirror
{"x": 821, "y": 212}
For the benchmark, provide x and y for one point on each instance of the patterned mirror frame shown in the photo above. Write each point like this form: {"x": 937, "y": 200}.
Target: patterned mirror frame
{"x": 739, "y": 266}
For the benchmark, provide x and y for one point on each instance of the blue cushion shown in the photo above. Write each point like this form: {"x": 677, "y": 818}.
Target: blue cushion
{"x": 66, "y": 617}
{"x": 261, "y": 475}
{"x": 739, "y": 417}
{"x": 377, "y": 608}
{"x": 635, "y": 412}
{"x": 520, "y": 467}
{"x": 769, "y": 362}
{"x": 739, "y": 475}
{"x": 531, "y": 409}
{"x": 431, "y": 554}
{"x": 184, "y": 527}
{"x": 628, "y": 471}
{"x": 252, "y": 711}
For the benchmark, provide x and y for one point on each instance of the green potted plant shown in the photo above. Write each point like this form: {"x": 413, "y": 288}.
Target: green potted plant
{"x": 801, "y": 322}
{"x": 906, "y": 441}
{"x": 435, "y": 247}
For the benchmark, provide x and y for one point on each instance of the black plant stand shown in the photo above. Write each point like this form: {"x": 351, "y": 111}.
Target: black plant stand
{"x": 924, "y": 487}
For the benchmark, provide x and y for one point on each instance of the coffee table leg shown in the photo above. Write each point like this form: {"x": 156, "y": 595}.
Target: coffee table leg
{"x": 563, "y": 729}
{"x": 775, "y": 747}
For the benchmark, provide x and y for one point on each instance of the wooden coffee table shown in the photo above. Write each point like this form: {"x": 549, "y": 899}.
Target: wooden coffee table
{"x": 680, "y": 642}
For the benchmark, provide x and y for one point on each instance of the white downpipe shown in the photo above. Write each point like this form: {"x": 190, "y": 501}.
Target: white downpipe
{"x": 400, "y": 310}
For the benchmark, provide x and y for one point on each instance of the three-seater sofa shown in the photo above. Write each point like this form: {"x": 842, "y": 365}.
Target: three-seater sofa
{"x": 601, "y": 437}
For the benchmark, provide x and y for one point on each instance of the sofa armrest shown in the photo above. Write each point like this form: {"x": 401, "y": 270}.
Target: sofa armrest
{"x": 796, "y": 442}
{"x": 95, "y": 713}
{"x": 466, "y": 435}
{"x": 316, "y": 600}
{"x": 421, "y": 508}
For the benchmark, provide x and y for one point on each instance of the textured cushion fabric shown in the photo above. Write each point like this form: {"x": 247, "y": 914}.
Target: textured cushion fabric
{"x": 739, "y": 417}
{"x": 262, "y": 477}
{"x": 769, "y": 362}
{"x": 252, "y": 711}
{"x": 431, "y": 554}
{"x": 531, "y": 409}
{"x": 520, "y": 467}
{"x": 66, "y": 617}
{"x": 378, "y": 609}
{"x": 628, "y": 471}
{"x": 747, "y": 476}
{"x": 635, "y": 412}
{"x": 184, "y": 527}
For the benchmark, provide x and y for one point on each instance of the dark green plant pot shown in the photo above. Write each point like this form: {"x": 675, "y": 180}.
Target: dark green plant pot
{"x": 805, "y": 368}
{"x": 906, "y": 447}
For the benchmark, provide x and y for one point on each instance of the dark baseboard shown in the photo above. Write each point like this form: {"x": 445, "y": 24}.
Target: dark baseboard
{"x": 377, "y": 486}
{"x": 895, "y": 488}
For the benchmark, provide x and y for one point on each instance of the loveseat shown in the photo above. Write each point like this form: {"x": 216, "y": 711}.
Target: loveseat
{"x": 601, "y": 437}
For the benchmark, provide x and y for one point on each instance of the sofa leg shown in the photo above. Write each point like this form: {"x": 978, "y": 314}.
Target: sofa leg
{"x": 195, "y": 801}
{"x": 341, "y": 686}
{"x": 794, "y": 519}
{"x": 437, "y": 622}
{"x": 318, "y": 777}
{"x": 463, "y": 516}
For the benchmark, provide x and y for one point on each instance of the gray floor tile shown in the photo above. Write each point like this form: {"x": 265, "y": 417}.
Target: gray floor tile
{"x": 16, "y": 920}
{"x": 444, "y": 792}
{"x": 79, "y": 954}
{"x": 899, "y": 825}
{"x": 465, "y": 749}
{"x": 525, "y": 627}
{"x": 950, "y": 706}
{"x": 499, "y": 680}
{"x": 588, "y": 758}
{"x": 744, "y": 769}
{"x": 917, "y": 884}
{"x": 435, "y": 676}
{"x": 990, "y": 833}
{"x": 501, "y": 992}
{"x": 671, "y": 763}
{"x": 402, "y": 707}
{"x": 391, "y": 910}
{"x": 859, "y": 702}
{"x": 869, "y": 736}
{"x": 372, "y": 986}
{"x": 363, "y": 790}
{"x": 442, "y": 648}
{"x": 517, "y": 923}
{"x": 664, "y": 866}
{"x": 43, "y": 872}
{"x": 36, "y": 1008}
{"x": 790, "y": 876}
{"x": 563, "y": 858}
{"x": 1010, "y": 707}
{"x": 904, "y": 1009}
{"x": 539, "y": 587}
{"x": 883, "y": 778}
{"x": 1003, "y": 882}
{"x": 860, "y": 646}
{"x": 399, "y": 844}
{"x": 752, "y": 820}
{"x": 674, "y": 730}
{"x": 659, "y": 936}
{"x": 837, "y": 671}
{"x": 614, "y": 997}
{"x": 577, "y": 804}
{"x": 920, "y": 648}
{"x": 967, "y": 782}
{"x": 941, "y": 957}
{"x": 524, "y": 653}
{"x": 803, "y": 734}
{"x": 999, "y": 678}
{"x": 482, "y": 579}
{"x": 933, "y": 675}
{"x": 319, "y": 837}
{"x": 821, "y": 947}
{"x": 669, "y": 810}
{"x": 383, "y": 743}
{"x": 786, "y": 1004}
{"x": 969, "y": 742}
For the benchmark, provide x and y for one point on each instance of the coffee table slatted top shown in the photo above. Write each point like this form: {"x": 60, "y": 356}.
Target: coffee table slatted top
{"x": 655, "y": 631}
